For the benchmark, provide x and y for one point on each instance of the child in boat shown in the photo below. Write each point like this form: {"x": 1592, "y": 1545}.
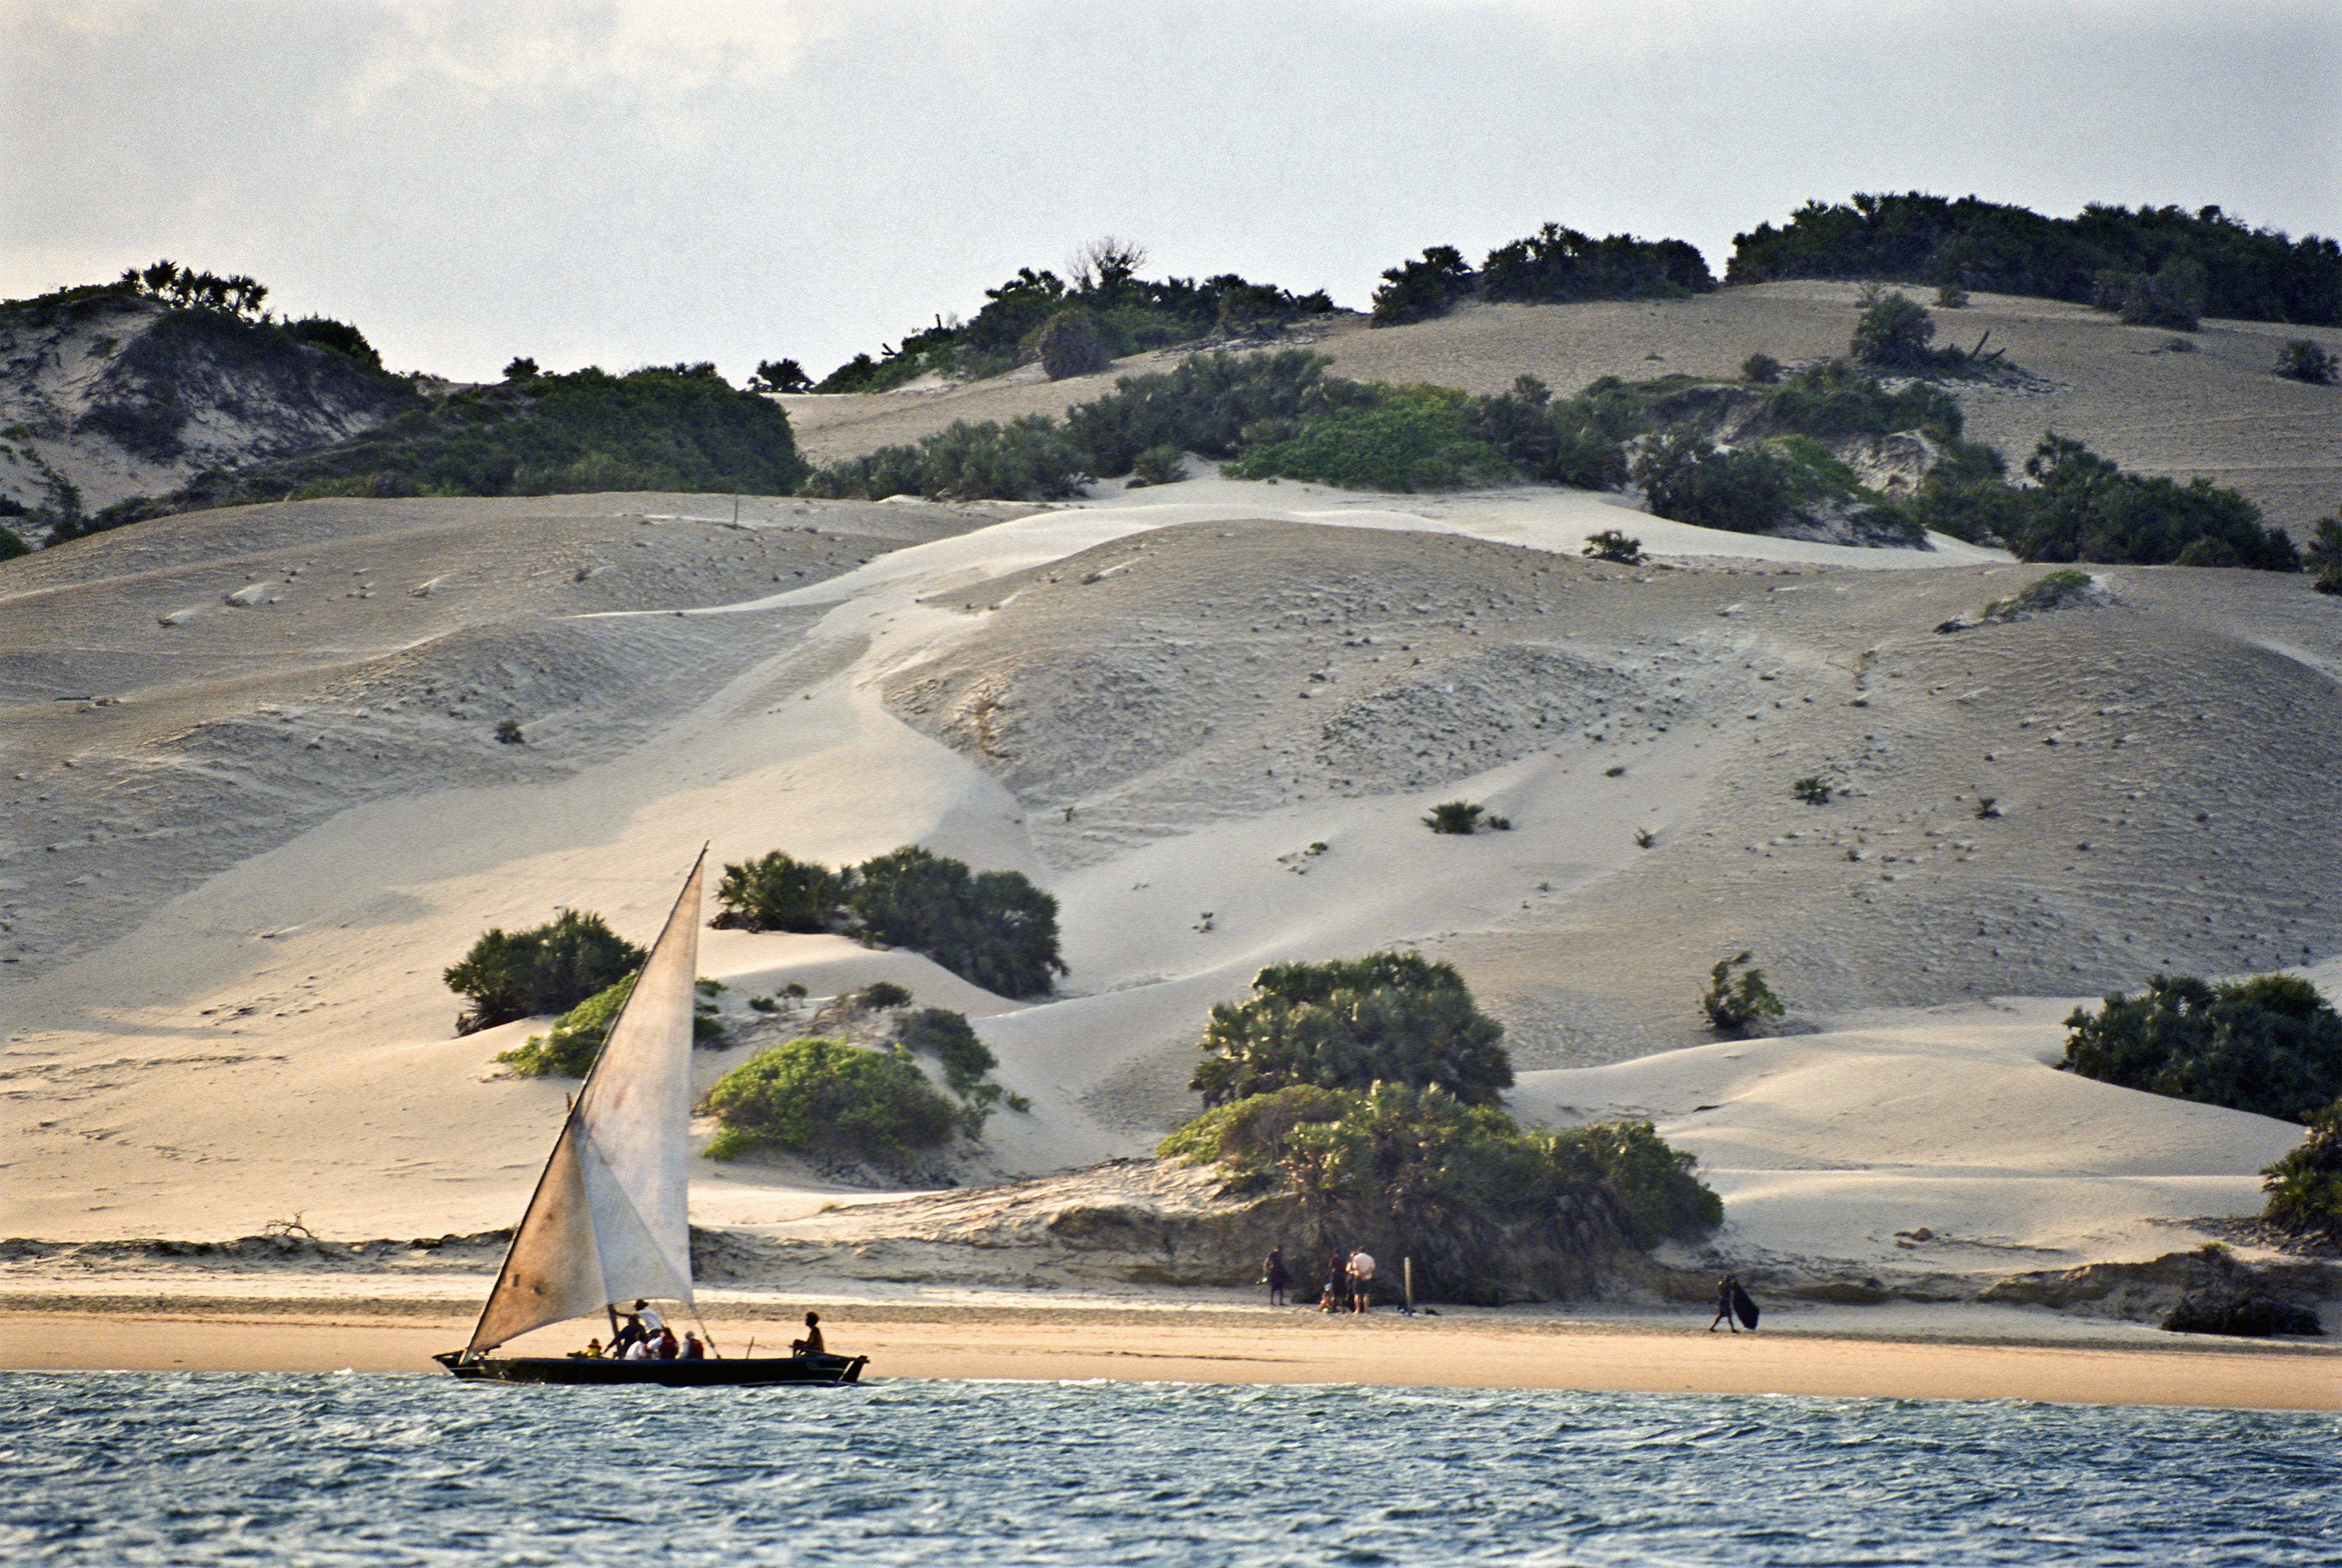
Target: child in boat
{"x": 812, "y": 1343}
{"x": 592, "y": 1351}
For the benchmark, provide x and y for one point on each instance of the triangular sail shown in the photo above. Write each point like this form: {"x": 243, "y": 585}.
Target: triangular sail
{"x": 609, "y": 1222}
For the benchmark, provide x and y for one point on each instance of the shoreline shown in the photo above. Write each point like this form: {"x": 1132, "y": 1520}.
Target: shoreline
{"x": 1218, "y": 1344}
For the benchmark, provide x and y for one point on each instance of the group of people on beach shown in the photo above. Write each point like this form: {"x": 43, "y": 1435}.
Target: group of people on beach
{"x": 1349, "y": 1281}
{"x": 643, "y": 1335}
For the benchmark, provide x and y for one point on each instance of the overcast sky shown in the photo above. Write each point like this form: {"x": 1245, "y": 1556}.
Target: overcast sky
{"x": 644, "y": 181}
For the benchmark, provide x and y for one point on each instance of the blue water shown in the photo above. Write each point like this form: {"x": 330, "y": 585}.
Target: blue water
{"x": 217, "y": 1468}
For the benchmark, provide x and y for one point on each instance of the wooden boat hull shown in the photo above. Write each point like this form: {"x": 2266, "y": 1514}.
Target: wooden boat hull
{"x": 737, "y": 1372}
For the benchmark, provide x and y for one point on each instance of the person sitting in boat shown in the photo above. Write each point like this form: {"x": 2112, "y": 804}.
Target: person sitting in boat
{"x": 692, "y": 1349}
{"x": 629, "y": 1334}
{"x": 665, "y": 1346}
{"x": 592, "y": 1351}
{"x": 638, "y": 1351}
{"x": 812, "y": 1343}
{"x": 652, "y": 1321}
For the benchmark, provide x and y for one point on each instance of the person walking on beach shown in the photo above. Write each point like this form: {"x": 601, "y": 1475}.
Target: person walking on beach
{"x": 1725, "y": 1288}
{"x": 1276, "y": 1276}
{"x": 1362, "y": 1279}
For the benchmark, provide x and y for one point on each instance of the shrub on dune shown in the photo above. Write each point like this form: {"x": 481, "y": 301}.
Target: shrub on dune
{"x": 1737, "y": 1000}
{"x": 1459, "y": 1188}
{"x": 548, "y": 968}
{"x": 827, "y": 1097}
{"x": 1409, "y": 438}
{"x": 1395, "y": 1017}
{"x": 2271, "y": 1045}
{"x": 780, "y": 893}
{"x": 992, "y": 928}
{"x": 2305, "y": 1188}
{"x": 2085, "y": 508}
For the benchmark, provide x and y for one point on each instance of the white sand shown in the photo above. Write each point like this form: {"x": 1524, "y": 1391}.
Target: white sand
{"x": 272, "y": 1039}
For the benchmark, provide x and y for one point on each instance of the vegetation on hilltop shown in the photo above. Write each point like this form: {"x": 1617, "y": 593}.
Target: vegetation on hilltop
{"x": 548, "y": 968}
{"x": 2269, "y": 1044}
{"x": 993, "y": 928}
{"x": 1553, "y": 266}
{"x": 1104, "y": 310}
{"x": 1348, "y": 1024}
{"x": 2152, "y": 263}
{"x": 663, "y": 427}
{"x": 1464, "y": 1191}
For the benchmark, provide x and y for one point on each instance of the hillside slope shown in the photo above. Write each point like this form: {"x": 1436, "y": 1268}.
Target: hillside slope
{"x": 234, "y": 887}
{"x": 2126, "y": 392}
{"x": 120, "y": 395}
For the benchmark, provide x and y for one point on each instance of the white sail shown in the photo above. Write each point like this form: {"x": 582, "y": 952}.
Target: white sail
{"x": 609, "y": 1222}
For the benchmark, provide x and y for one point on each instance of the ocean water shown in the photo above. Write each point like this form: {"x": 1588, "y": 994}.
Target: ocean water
{"x": 241, "y": 1468}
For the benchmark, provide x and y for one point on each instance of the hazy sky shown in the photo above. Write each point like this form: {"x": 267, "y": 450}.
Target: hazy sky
{"x": 636, "y": 181}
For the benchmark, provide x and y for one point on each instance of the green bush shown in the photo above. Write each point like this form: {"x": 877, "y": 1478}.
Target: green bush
{"x": 334, "y": 336}
{"x": 2170, "y": 296}
{"x": 1128, "y": 313}
{"x": 1025, "y": 459}
{"x": 1158, "y": 464}
{"x": 1420, "y": 289}
{"x": 1555, "y": 265}
{"x": 2271, "y": 1045}
{"x": 1811, "y": 790}
{"x": 11, "y": 545}
{"x": 827, "y": 1097}
{"x": 569, "y": 1048}
{"x": 881, "y": 994}
{"x": 1834, "y": 398}
{"x": 2253, "y": 274}
{"x": 1207, "y": 403}
{"x": 1462, "y": 1188}
{"x": 1968, "y": 496}
{"x": 1892, "y": 331}
{"x": 1687, "y": 478}
{"x": 968, "y": 1064}
{"x": 1070, "y": 344}
{"x": 2085, "y": 508}
{"x": 2305, "y": 1188}
{"x": 1760, "y": 369}
{"x": 1457, "y": 816}
{"x": 2325, "y": 553}
{"x": 993, "y": 928}
{"x": 1615, "y": 547}
{"x": 1738, "y": 1001}
{"x": 665, "y": 427}
{"x": 548, "y": 968}
{"x": 1346, "y": 1023}
{"x": 2303, "y": 360}
{"x": 780, "y": 893}
{"x": 2046, "y": 593}
{"x": 1409, "y": 438}
{"x": 951, "y": 1042}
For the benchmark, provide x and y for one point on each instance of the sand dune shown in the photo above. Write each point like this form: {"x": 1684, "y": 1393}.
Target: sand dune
{"x": 2127, "y": 391}
{"x": 223, "y": 996}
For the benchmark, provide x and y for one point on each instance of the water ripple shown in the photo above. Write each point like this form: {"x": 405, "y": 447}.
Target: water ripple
{"x": 235, "y": 1468}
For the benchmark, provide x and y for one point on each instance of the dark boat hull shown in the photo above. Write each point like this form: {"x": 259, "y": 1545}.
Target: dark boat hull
{"x": 739, "y": 1371}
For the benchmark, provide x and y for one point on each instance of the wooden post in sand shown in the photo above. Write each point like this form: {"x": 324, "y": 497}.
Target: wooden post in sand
{"x": 1406, "y": 1273}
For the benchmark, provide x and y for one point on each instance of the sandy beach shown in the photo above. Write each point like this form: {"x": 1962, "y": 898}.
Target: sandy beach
{"x": 1465, "y": 1350}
